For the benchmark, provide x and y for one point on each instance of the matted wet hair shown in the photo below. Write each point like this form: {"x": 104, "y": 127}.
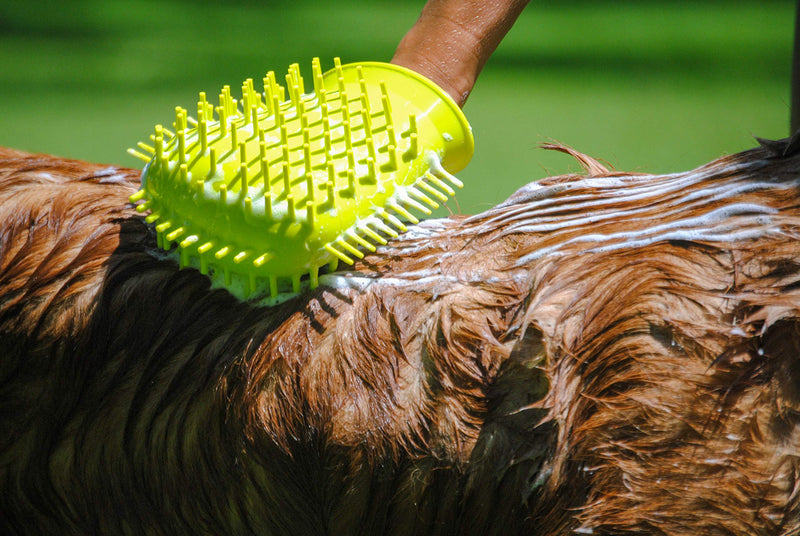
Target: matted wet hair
{"x": 604, "y": 353}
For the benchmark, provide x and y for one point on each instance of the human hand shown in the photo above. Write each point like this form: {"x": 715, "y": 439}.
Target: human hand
{"x": 452, "y": 40}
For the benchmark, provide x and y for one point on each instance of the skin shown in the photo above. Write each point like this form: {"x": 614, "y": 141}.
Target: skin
{"x": 452, "y": 40}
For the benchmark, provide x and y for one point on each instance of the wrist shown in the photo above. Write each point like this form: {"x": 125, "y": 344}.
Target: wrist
{"x": 453, "y": 77}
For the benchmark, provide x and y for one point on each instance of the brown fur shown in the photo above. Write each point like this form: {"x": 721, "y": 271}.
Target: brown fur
{"x": 498, "y": 374}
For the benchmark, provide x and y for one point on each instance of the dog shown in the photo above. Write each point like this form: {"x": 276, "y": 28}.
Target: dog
{"x": 602, "y": 353}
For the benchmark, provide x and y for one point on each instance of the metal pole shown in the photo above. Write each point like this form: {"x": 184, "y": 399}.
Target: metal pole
{"x": 795, "y": 106}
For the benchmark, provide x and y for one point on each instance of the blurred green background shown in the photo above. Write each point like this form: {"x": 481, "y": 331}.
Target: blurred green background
{"x": 650, "y": 86}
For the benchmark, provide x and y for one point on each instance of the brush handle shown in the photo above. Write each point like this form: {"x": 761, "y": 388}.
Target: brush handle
{"x": 442, "y": 125}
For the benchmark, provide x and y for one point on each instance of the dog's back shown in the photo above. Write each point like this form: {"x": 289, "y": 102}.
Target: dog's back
{"x": 612, "y": 353}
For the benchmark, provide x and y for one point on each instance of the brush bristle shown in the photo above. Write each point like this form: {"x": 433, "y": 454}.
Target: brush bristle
{"x": 269, "y": 188}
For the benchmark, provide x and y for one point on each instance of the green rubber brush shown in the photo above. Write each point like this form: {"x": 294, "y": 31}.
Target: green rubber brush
{"x": 262, "y": 192}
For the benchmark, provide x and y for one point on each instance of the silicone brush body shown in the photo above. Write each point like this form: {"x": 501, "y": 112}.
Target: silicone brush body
{"x": 262, "y": 192}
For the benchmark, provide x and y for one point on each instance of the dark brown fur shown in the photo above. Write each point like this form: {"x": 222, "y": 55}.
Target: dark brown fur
{"x": 602, "y": 385}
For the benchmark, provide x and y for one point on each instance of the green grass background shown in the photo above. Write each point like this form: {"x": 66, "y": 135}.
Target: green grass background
{"x": 650, "y": 86}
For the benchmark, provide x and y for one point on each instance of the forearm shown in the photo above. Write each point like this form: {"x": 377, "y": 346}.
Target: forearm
{"x": 452, "y": 40}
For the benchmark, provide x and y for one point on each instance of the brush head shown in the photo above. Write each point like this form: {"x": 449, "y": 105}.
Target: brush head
{"x": 264, "y": 191}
